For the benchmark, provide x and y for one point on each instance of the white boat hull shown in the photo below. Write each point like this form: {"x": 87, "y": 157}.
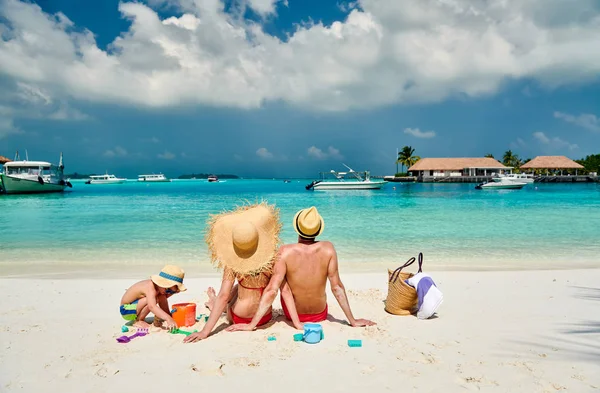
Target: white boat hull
{"x": 155, "y": 181}
{"x": 494, "y": 186}
{"x": 337, "y": 185}
{"x": 25, "y": 186}
{"x": 116, "y": 181}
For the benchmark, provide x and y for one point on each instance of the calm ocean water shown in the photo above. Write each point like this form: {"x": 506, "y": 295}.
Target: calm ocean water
{"x": 454, "y": 225}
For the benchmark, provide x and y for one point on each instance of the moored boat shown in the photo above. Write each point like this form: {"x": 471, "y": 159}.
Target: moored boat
{"x": 350, "y": 180}
{"x": 105, "y": 179}
{"x": 160, "y": 178}
{"x": 33, "y": 177}
{"x": 519, "y": 177}
{"x": 500, "y": 183}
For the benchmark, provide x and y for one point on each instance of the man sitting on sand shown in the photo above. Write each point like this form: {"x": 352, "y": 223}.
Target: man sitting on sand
{"x": 305, "y": 266}
{"x": 151, "y": 295}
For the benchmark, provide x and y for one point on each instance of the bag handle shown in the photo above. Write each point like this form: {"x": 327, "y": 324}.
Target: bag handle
{"x": 396, "y": 273}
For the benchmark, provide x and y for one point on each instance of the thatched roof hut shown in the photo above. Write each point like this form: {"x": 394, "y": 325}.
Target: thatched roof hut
{"x": 551, "y": 162}
{"x": 456, "y": 164}
{"x": 4, "y": 160}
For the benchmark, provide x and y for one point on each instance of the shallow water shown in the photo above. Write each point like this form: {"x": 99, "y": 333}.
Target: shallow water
{"x": 454, "y": 225}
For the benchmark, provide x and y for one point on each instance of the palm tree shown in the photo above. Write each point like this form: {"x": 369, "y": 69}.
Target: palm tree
{"x": 489, "y": 155}
{"x": 406, "y": 158}
{"x": 509, "y": 158}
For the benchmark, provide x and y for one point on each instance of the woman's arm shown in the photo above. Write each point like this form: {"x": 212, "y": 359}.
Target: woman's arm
{"x": 215, "y": 314}
{"x": 288, "y": 298}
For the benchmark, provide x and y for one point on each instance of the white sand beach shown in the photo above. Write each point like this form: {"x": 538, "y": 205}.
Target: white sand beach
{"x": 510, "y": 331}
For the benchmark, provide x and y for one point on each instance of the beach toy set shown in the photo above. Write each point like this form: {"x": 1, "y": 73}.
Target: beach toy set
{"x": 313, "y": 334}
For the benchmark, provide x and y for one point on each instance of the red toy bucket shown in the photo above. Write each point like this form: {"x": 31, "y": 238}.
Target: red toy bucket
{"x": 184, "y": 314}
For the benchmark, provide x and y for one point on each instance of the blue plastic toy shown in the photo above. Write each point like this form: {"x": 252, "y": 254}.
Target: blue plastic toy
{"x": 355, "y": 343}
{"x": 313, "y": 333}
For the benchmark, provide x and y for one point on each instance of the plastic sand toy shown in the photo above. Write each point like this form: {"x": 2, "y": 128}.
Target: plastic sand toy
{"x": 139, "y": 333}
{"x": 355, "y": 343}
{"x": 179, "y": 331}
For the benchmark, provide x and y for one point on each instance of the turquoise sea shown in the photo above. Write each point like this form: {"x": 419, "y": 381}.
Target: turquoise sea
{"x": 454, "y": 225}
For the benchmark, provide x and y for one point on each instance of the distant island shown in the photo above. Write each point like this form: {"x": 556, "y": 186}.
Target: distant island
{"x": 78, "y": 176}
{"x": 206, "y": 175}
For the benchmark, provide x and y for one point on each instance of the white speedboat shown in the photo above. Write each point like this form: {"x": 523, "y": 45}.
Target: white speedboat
{"x": 500, "y": 183}
{"x": 33, "y": 177}
{"x": 105, "y": 179}
{"x": 350, "y": 180}
{"x": 160, "y": 178}
{"x": 212, "y": 179}
{"x": 519, "y": 177}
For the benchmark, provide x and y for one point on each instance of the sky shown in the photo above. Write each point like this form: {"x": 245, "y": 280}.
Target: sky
{"x": 272, "y": 88}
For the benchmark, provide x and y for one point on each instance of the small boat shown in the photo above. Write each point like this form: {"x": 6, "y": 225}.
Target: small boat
{"x": 105, "y": 179}
{"x": 213, "y": 179}
{"x": 350, "y": 180}
{"x": 519, "y": 177}
{"x": 500, "y": 183}
{"x": 33, "y": 177}
{"x": 160, "y": 178}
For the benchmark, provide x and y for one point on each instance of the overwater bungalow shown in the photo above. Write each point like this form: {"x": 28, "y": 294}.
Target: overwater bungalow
{"x": 551, "y": 164}
{"x": 458, "y": 167}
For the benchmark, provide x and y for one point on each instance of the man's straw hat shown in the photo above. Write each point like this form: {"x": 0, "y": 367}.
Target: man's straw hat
{"x": 170, "y": 275}
{"x": 246, "y": 239}
{"x": 308, "y": 223}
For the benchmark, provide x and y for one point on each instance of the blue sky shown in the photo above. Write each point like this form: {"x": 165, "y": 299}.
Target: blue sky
{"x": 279, "y": 89}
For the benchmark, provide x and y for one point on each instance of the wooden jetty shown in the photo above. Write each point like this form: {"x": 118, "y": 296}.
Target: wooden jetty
{"x": 481, "y": 179}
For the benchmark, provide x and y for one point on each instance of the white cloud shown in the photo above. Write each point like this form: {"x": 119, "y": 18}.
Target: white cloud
{"x": 382, "y": 53}
{"x": 264, "y": 153}
{"x": 331, "y": 153}
{"x": 167, "y": 155}
{"x": 554, "y": 143}
{"x": 265, "y": 7}
{"x": 518, "y": 144}
{"x": 417, "y": 133}
{"x": 585, "y": 120}
{"x": 118, "y": 151}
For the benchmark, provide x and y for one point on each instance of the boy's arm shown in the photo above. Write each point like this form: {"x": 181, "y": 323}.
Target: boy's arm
{"x": 217, "y": 310}
{"x": 155, "y": 309}
{"x": 337, "y": 287}
{"x": 266, "y": 300}
{"x": 288, "y": 298}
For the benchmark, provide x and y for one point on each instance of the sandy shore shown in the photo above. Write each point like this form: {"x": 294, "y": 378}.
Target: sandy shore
{"x": 516, "y": 331}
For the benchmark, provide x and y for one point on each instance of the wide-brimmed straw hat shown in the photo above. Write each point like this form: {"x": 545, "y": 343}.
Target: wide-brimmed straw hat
{"x": 308, "y": 223}
{"x": 170, "y": 275}
{"x": 246, "y": 239}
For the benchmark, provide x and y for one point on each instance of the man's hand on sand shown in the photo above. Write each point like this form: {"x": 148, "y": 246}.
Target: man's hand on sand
{"x": 240, "y": 327}
{"x": 362, "y": 322}
{"x": 195, "y": 337}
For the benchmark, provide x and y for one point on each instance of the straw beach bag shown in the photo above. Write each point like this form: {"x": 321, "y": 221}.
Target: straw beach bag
{"x": 402, "y": 298}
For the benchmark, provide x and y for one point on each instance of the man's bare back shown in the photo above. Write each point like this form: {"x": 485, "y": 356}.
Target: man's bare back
{"x": 306, "y": 274}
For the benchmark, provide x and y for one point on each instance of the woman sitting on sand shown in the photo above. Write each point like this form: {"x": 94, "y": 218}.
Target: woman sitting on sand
{"x": 244, "y": 243}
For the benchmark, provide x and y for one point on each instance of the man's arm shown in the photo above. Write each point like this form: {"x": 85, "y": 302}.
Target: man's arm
{"x": 215, "y": 313}
{"x": 268, "y": 296}
{"x": 337, "y": 287}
